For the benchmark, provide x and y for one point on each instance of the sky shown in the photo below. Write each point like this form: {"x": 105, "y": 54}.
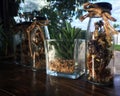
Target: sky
{"x": 28, "y": 6}
{"x": 31, "y": 5}
{"x": 115, "y": 12}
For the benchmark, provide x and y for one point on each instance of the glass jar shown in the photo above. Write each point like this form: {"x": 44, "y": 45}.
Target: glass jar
{"x": 33, "y": 53}
{"x": 29, "y": 51}
{"x": 65, "y": 58}
{"x": 99, "y": 53}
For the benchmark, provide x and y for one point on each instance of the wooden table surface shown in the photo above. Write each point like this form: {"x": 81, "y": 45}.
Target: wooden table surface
{"x": 16, "y": 80}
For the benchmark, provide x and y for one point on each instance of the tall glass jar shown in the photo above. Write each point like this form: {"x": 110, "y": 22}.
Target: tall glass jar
{"x": 29, "y": 43}
{"x": 99, "y": 53}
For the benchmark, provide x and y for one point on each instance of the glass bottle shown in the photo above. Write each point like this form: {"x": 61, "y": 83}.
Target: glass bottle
{"x": 99, "y": 53}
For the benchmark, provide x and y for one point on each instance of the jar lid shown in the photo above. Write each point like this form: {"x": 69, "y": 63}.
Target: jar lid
{"x": 104, "y": 5}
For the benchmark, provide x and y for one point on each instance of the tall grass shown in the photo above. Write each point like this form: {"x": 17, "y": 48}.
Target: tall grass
{"x": 117, "y": 47}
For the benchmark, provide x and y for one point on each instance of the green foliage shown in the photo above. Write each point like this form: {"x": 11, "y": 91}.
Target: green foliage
{"x": 117, "y": 47}
{"x": 64, "y": 48}
{"x": 66, "y": 33}
{"x": 116, "y": 25}
{"x": 67, "y": 9}
{"x": 65, "y": 41}
{"x": 62, "y": 10}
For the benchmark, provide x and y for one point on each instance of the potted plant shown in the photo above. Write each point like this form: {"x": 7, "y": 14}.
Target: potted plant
{"x": 62, "y": 53}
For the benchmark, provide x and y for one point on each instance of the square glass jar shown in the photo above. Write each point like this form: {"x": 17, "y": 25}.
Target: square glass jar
{"x": 65, "y": 58}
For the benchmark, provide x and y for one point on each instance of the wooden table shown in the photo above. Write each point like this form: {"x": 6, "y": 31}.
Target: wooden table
{"x": 16, "y": 80}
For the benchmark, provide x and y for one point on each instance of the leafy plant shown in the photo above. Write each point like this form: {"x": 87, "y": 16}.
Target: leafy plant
{"x": 65, "y": 41}
{"x": 66, "y": 33}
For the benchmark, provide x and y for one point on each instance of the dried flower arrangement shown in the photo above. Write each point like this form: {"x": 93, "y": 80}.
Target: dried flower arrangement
{"x": 32, "y": 45}
{"x": 99, "y": 45}
{"x": 36, "y": 37}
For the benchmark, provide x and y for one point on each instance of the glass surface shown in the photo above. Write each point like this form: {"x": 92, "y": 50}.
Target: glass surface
{"x": 30, "y": 50}
{"x": 65, "y": 58}
{"x": 99, "y": 54}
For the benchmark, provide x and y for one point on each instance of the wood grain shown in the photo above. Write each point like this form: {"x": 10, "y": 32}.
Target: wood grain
{"x": 16, "y": 80}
